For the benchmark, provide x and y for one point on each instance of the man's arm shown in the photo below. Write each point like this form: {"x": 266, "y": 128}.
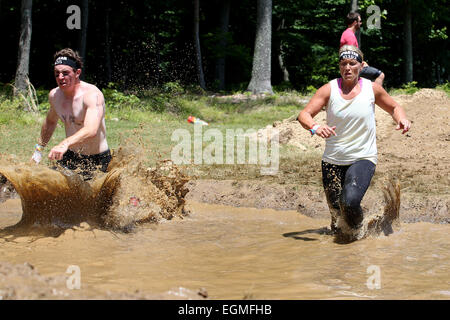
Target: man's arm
{"x": 94, "y": 103}
{"x": 50, "y": 122}
{"x": 385, "y": 101}
{"x": 313, "y": 107}
{"x": 47, "y": 129}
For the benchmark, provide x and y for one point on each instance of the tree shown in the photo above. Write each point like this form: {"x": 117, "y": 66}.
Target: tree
{"x": 223, "y": 29}
{"x": 407, "y": 43}
{"x": 21, "y": 81}
{"x": 261, "y": 70}
{"x": 354, "y": 8}
{"x": 201, "y": 77}
{"x": 108, "y": 44}
{"x": 151, "y": 42}
{"x": 283, "y": 68}
{"x": 84, "y": 29}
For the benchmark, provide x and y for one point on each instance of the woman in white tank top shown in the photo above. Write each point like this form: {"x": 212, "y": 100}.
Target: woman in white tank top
{"x": 350, "y": 156}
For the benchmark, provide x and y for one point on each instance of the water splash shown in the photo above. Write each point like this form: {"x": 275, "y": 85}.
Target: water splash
{"x": 61, "y": 197}
{"x": 384, "y": 220}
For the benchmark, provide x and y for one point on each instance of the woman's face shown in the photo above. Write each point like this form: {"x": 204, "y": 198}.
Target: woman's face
{"x": 349, "y": 69}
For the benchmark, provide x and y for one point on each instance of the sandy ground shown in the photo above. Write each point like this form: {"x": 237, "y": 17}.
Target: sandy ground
{"x": 420, "y": 160}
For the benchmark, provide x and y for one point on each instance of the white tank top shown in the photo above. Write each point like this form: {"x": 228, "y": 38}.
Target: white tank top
{"x": 355, "y": 126}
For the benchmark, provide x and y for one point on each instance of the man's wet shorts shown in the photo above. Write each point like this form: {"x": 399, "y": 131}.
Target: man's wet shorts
{"x": 370, "y": 73}
{"x": 86, "y": 164}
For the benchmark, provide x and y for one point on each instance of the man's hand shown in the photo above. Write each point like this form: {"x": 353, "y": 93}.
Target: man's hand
{"x": 58, "y": 151}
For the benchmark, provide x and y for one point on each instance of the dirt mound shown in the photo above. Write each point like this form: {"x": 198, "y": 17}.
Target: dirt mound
{"x": 292, "y": 133}
{"x": 418, "y": 159}
{"x": 427, "y": 94}
{"x": 434, "y": 103}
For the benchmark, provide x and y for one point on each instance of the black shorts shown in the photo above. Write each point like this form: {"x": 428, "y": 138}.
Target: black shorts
{"x": 370, "y": 73}
{"x": 86, "y": 164}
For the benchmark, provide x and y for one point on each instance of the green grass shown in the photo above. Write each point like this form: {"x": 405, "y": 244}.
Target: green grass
{"x": 444, "y": 87}
{"x": 150, "y": 120}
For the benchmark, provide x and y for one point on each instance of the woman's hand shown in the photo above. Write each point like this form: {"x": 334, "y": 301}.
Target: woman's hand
{"x": 325, "y": 131}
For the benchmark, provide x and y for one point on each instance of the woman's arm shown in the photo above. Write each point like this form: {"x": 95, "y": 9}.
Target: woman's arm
{"x": 385, "y": 101}
{"x": 313, "y": 107}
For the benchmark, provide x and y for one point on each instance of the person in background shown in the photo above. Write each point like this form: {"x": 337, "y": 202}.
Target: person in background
{"x": 348, "y": 37}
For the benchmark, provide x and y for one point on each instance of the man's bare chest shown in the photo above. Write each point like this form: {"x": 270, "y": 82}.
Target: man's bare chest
{"x": 71, "y": 112}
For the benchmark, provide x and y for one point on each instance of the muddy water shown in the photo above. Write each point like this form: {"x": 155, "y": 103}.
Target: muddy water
{"x": 236, "y": 252}
{"x": 127, "y": 194}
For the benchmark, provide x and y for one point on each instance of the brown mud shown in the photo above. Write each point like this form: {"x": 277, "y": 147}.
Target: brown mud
{"x": 126, "y": 195}
{"x": 24, "y": 282}
{"x": 419, "y": 160}
{"x": 235, "y": 252}
{"x": 222, "y": 252}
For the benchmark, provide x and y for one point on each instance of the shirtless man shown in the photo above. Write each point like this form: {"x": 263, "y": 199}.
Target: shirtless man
{"x": 81, "y": 107}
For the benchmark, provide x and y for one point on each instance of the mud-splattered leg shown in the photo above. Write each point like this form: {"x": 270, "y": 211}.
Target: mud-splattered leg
{"x": 334, "y": 218}
{"x": 332, "y": 176}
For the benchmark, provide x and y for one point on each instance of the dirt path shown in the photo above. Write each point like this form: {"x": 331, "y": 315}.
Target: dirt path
{"x": 419, "y": 159}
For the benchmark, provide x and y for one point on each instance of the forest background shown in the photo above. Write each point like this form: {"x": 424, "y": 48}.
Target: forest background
{"x": 137, "y": 45}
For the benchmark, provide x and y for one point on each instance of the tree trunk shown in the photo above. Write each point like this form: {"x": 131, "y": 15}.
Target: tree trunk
{"x": 261, "y": 71}
{"x": 283, "y": 68}
{"x": 407, "y": 43}
{"x": 108, "y": 44}
{"x": 220, "y": 62}
{"x": 354, "y": 8}
{"x": 84, "y": 29}
{"x": 23, "y": 62}
{"x": 201, "y": 77}
{"x": 438, "y": 75}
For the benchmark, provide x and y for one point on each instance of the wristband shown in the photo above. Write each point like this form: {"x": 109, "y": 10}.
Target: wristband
{"x": 314, "y": 129}
{"x": 38, "y": 147}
